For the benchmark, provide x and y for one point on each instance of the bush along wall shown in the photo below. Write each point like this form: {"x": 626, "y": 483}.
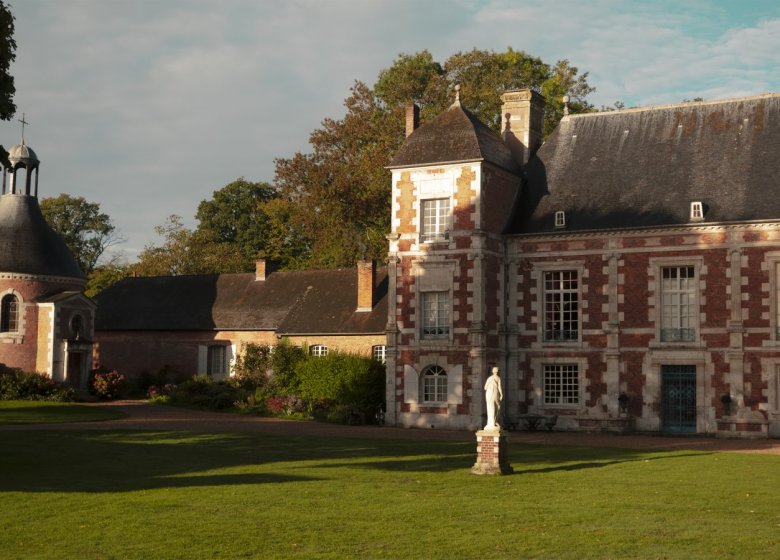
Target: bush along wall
{"x": 16, "y": 384}
{"x": 288, "y": 382}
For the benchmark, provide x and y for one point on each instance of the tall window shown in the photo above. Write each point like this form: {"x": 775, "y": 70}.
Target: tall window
{"x": 217, "y": 364}
{"x": 434, "y": 384}
{"x": 318, "y": 350}
{"x": 379, "y": 353}
{"x": 435, "y": 314}
{"x": 9, "y": 313}
{"x": 435, "y": 219}
{"x": 561, "y": 384}
{"x": 777, "y": 304}
{"x": 561, "y": 305}
{"x": 679, "y": 303}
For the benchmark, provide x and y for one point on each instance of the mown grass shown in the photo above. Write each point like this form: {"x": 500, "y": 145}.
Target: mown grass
{"x": 45, "y": 412}
{"x": 174, "y": 495}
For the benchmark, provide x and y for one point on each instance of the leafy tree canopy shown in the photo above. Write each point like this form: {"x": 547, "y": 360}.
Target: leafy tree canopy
{"x": 340, "y": 192}
{"x": 7, "y": 56}
{"x": 87, "y": 231}
{"x": 185, "y": 251}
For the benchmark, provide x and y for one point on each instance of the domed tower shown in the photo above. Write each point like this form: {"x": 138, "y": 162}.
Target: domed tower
{"x": 46, "y": 322}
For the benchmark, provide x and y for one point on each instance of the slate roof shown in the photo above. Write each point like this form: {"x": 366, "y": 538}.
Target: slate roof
{"x": 294, "y": 302}
{"x": 643, "y": 167}
{"x": 454, "y": 136}
{"x": 28, "y": 245}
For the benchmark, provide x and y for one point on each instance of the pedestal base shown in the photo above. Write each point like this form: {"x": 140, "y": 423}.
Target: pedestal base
{"x": 492, "y": 453}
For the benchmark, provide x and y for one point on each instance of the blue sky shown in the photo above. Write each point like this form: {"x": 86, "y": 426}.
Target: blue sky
{"x": 148, "y": 106}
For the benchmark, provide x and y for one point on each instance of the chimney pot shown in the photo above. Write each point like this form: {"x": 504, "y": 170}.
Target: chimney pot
{"x": 522, "y": 126}
{"x": 412, "y": 118}
{"x": 260, "y": 270}
{"x": 366, "y": 278}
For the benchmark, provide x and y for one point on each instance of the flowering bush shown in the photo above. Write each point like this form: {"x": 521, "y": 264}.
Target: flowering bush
{"x": 155, "y": 391}
{"x": 16, "y": 384}
{"x": 107, "y": 385}
{"x": 288, "y": 405}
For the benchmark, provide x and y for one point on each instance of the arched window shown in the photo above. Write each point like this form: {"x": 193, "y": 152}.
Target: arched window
{"x": 76, "y": 326}
{"x": 434, "y": 385}
{"x": 9, "y": 313}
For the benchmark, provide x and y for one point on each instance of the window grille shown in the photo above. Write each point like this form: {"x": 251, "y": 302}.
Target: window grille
{"x": 561, "y": 306}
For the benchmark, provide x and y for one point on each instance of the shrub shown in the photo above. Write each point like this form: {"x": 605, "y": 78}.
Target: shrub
{"x": 16, "y": 384}
{"x": 353, "y": 385}
{"x": 252, "y": 367}
{"x": 285, "y": 360}
{"x": 203, "y": 392}
{"x": 107, "y": 384}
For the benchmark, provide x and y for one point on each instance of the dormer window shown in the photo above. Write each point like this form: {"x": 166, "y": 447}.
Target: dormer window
{"x": 560, "y": 219}
{"x": 697, "y": 211}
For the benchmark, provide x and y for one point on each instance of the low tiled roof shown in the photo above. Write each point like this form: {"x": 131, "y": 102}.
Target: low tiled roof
{"x": 295, "y": 302}
{"x": 451, "y": 137}
{"x": 643, "y": 167}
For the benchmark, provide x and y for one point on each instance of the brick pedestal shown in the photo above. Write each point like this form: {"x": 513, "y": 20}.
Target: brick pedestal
{"x": 492, "y": 453}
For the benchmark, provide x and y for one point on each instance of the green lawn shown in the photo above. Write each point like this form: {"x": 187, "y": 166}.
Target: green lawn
{"x": 44, "y": 412}
{"x": 174, "y": 495}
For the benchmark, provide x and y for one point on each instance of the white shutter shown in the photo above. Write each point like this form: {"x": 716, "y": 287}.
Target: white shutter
{"x": 203, "y": 359}
{"x": 231, "y": 360}
{"x": 411, "y": 385}
{"x": 455, "y": 385}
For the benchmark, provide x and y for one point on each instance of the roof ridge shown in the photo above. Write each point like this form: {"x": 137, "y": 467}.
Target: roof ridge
{"x": 673, "y": 105}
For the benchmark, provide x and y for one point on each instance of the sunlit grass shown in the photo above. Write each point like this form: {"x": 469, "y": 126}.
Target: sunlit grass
{"x": 45, "y": 412}
{"x": 172, "y": 495}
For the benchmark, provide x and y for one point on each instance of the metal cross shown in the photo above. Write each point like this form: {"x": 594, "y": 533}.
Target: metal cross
{"x": 24, "y": 122}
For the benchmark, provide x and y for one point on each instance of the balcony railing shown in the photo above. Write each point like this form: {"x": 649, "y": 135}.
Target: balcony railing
{"x": 678, "y": 335}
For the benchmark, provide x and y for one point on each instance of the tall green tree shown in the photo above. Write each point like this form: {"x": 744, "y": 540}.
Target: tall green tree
{"x": 87, "y": 231}
{"x": 340, "y": 192}
{"x": 7, "y": 56}
{"x": 184, "y": 251}
{"x": 234, "y": 215}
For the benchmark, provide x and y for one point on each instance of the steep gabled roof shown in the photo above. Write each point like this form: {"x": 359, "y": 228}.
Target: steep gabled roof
{"x": 643, "y": 167}
{"x": 454, "y": 136}
{"x": 309, "y": 301}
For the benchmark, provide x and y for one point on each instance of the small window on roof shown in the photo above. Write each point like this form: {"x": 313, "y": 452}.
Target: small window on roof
{"x": 697, "y": 211}
{"x": 560, "y": 219}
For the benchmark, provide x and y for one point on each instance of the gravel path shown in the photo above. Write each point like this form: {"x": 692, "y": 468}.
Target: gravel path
{"x": 141, "y": 415}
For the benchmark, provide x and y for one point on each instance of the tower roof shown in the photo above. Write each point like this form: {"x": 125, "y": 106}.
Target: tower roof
{"x": 454, "y": 136}
{"x": 28, "y": 245}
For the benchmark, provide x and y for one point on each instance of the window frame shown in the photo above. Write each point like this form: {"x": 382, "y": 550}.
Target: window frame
{"x": 380, "y": 349}
{"x": 436, "y": 230}
{"x": 679, "y": 303}
{"x": 10, "y": 320}
{"x": 562, "y": 401}
{"x": 559, "y": 316}
{"x": 213, "y": 352}
{"x": 442, "y": 322}
{"x": 318, "y": 350}
{"x": 434, "y": 381}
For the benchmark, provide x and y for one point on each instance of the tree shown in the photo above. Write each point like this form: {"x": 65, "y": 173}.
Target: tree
{"x": 87, "y": 231}
{"x": 235, "y": 216}
{"x": 339, "y": 194}
{"x": 7, "y": 56}
{"x": 185, "y": 251}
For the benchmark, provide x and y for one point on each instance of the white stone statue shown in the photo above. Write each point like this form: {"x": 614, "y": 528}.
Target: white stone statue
{"x": 493, "y": 397}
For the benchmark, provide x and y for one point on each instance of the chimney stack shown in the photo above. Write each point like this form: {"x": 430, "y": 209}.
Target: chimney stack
{"x": 522, "y": 115}
{"x": 412, "y": 118}
{"x": 260, "y": 270}
{"x": 366, "y": 278}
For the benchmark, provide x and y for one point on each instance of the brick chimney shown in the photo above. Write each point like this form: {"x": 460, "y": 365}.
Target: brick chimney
{"x": 522, "y": 116}
{"x": 260, "y": 270}
{"x": 412, "y": 118}
{"x": 366, "y": 278}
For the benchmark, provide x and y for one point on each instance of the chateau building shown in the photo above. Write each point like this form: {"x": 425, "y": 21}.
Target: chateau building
{"x": 624, "y": 274}
{"x": 46, "y": 322}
